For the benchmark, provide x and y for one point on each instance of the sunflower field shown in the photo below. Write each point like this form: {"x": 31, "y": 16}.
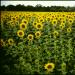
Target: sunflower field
{"x": 40, "y": 43}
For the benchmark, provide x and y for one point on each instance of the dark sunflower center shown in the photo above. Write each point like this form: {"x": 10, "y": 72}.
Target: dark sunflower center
{"x": 61, "y": 26}
{"x": 63, "y": 21}
{"x": 70, "y": 21}
{"x": 25, "y": 22}
{"x": 49, "y": 66}
{"x": 37, "y": 34}
{"x": 1, "y": 43}
{"x": 13, "y": 18}
{"x": 63, "y": 15}
{"x": 34, "y": 23}
{"x": 10, "y": 41}
{"x": 39, "y": 26}
{"x": 55, "y": 33}
{"x": 68, "y": 29}
{"x": 48, "y": 19}
{"x": 23, "y": 26}
{"x": 54, "y": 22}
{"x": 53, "y": 16}
{"x": 20, "y": 33}
{"x": 60, "y": 18}
{"x": 41, "y": 20}
{"x": 30, "y": 37}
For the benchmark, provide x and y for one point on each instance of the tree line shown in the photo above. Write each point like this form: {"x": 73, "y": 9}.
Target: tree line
{"x": 37, "y": 8}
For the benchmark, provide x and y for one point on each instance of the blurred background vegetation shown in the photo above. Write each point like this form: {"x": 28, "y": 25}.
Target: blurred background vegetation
{"x": 37, "y": 8}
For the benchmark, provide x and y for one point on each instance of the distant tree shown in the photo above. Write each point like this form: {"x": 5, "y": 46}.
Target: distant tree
{"x": 2, "y": 7}
{"x": 10, "y": 7}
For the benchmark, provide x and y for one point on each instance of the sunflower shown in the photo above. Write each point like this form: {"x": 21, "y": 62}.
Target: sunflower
{"x": 20, "y": 33}
{"x": 69, "y": 30}
{"x": 70, "y": 21}
{"x": 48, "y": 18}
{"x": 30, "y": 37}
{"x": 63, "y": 65}
{"x": 37, "y": 34}
{"x": 39, "y": 26}
{"x": 49, "y": 66}
{"x": 2, "y": 43}
{"x": 55, "y": 34}
{"x": 25, "y": 21}
{"x": 54, "y": 22}
{"x": 10, "y": 41}
{"x": 23, "y": 26}
{"x": 63, "y": 21}
{"x": 13, "y": 18}
{"x": 34, "y": 23}
{"x": 41, "y": 20}
{"x": 62, "y": 26}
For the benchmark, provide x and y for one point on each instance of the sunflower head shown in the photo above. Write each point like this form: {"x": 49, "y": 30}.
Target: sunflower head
{"x": 54, "y": 22}
{"x": 55, "y": 34}
{"x": 20, "y": 33}
{"x": 63, "y": 65}
{"x": 34, "y": 23}
{"x": 48, "y": 18}
{"x": 62, "y": 26}
{"x": 23, "y": 26}
{"x": 63, "y": 21}
{"x": 10, "y": 41}
{"x": 2, "y": 43}
{"x": 39, "y": 26}
{"x": 49, "y": 66}
{"x": 30, "y": 37}
{"x": 70, "y": 21}
{"x": 38, "y": 34}
{"x": 41, "y": 20}
{"x": 25, "y": 21}
{"x": 69, "y": 30}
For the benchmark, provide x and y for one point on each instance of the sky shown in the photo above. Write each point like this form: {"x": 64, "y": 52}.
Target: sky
{"x": 43, "y": 3}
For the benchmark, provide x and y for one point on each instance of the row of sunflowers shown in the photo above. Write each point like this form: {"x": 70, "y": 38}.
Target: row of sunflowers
{"x": 37, "y": 43}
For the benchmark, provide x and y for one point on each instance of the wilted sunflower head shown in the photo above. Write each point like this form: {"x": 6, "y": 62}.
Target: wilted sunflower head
{"x": 20, "y": 33}
{"x": 10, "y": 41}
{"x": 37, "y": 34}
{"x": 49, "y": 66}
{"x": 30, "y": 37}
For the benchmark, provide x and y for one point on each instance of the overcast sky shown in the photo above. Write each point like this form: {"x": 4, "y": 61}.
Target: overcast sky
{"x": 43, "y": 3}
